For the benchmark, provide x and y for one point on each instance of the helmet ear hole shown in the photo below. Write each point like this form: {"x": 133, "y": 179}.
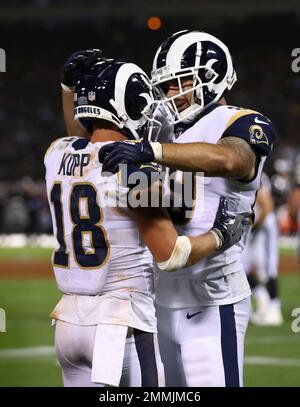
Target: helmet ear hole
{"x": 208, "y": 75}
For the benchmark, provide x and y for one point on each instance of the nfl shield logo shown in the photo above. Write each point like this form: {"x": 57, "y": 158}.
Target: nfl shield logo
{"x": 91, "y": 96}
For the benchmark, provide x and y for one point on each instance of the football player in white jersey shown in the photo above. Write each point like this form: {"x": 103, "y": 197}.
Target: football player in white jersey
{"x": 260, "y": 259}
{"x": 105, "y": 323}
{"x": 203, "y": 311}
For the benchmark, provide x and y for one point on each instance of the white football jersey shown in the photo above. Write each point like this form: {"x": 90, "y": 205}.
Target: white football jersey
{"x": 218, "y": 279}
{"x": 99, "y": 250}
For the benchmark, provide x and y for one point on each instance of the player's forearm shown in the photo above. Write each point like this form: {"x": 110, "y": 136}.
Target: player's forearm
{"x": 73, "y": 127}
{"x": 214, "y": 160}
{"x": 202, "y": 246}
{"x": 156, "y": 230}
{"x": 161, "y": 238}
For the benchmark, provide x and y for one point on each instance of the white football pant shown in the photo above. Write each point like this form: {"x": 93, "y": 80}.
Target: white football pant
{"x": 203, "y": 346}
{"x": 91, "y": 357}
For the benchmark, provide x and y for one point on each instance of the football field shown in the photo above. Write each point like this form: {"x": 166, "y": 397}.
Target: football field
{"x": 27, "y": 355}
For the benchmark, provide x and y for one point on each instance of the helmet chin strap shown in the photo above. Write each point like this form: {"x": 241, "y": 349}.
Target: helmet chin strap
{"x": 121, "y": 115}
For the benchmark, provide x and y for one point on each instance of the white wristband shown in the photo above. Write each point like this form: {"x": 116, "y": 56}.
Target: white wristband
{"x": 217, "y": 237}
{"x": 179, "y": 256}
{"x": 67, "y": 88}
{"x": 157, "y": 150}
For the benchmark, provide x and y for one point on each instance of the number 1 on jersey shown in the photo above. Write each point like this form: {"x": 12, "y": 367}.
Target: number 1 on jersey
{"x": 61, "y": 256}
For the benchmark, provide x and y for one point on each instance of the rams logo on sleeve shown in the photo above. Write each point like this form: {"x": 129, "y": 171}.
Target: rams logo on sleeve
{"x": 254, "y": 128}
{"x": 257, "y": 135}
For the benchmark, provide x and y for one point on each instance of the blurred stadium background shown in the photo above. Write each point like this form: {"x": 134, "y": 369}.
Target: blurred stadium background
{"x": 37, "y": 36}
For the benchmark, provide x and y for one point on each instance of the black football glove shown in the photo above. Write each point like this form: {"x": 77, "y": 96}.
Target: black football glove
{"x": 228, "y": 228}
{"x": 78, "y": 64}
{"x": 125, "y": 152}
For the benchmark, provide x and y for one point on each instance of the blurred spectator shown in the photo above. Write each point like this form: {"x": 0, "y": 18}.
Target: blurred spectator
{"x": 15, "y": 215}
{"x": 281, "y": 180}
{"x": 24, "y": 207}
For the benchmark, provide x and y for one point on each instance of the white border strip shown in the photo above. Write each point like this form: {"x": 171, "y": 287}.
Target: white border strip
{"x": 50, "y": 351}
{"x": 268, "y": 361}
{"x": 27, "y": 352}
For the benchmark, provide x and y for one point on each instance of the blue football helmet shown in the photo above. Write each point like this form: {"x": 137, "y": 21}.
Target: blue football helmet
{"x": 198, "y": 56}
{"x": 118, "y": 92}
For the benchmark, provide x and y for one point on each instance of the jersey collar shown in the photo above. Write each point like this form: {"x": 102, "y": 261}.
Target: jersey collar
{"x": 180, "y": 128}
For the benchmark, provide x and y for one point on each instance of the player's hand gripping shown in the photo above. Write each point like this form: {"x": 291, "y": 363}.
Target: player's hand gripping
{"x": 125, "y": 152}
{"x": 77, "y": 65}
{"x": 228, "y": 228}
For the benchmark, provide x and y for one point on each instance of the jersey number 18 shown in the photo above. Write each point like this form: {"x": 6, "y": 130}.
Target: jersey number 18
{"x": 88, "y": 223}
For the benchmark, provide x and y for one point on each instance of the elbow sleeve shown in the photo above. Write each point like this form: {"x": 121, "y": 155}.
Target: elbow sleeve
{"x": 179, "y": 256}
